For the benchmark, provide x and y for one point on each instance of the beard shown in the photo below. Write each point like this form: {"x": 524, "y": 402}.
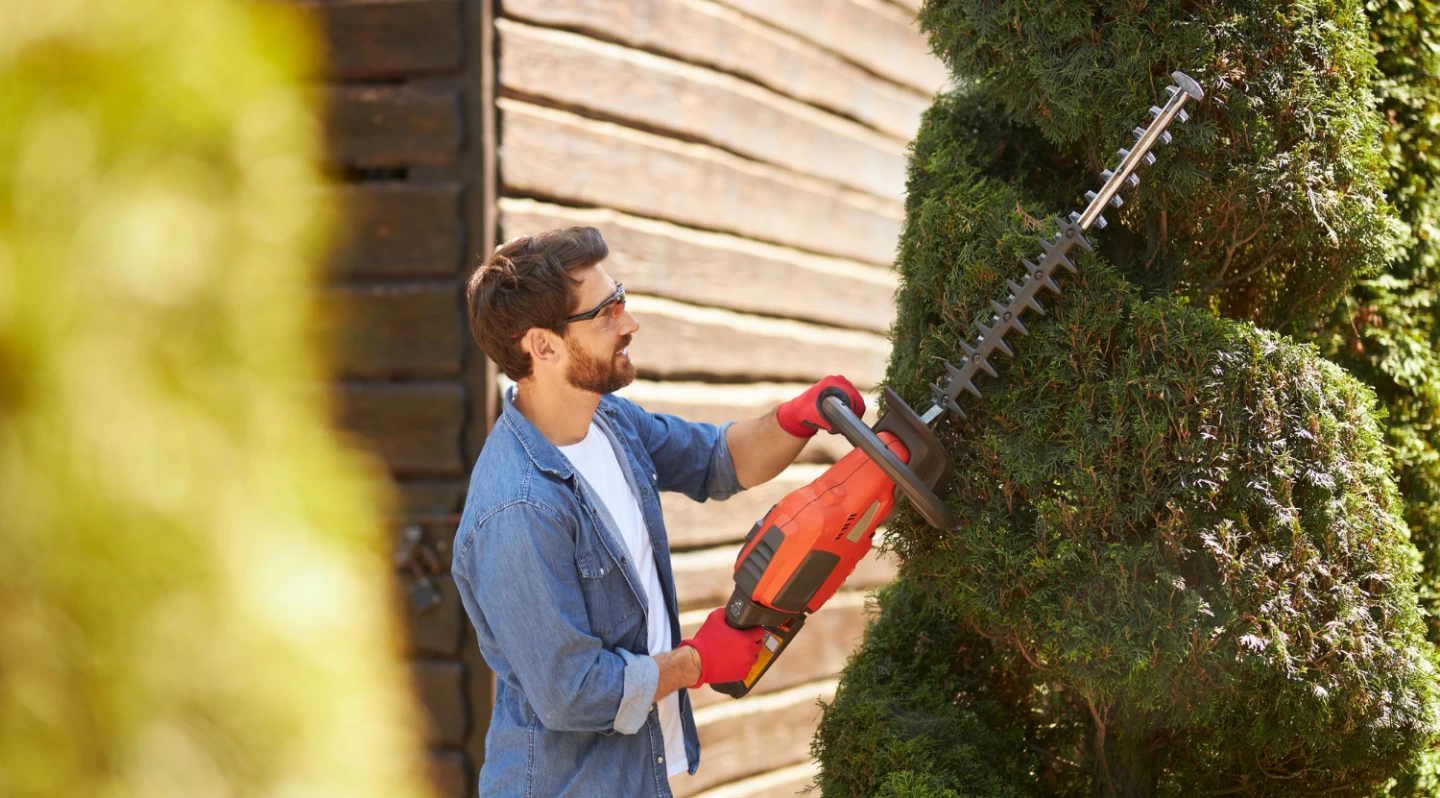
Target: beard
{"x": 599, "y": 374}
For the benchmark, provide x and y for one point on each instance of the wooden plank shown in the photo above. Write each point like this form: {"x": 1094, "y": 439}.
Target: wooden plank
{"x": 913, "y": 6}
{"x": 718, "y": 403}
{"x": 397, "y": 329}
{"x": 872, "y": 33}
{"x": 430, "y": 501}
{"x": 393, "y": 126}
{"x": 437, "y": 684}
{"x": 666, "y": 260}
{"x": 480, "y": 165}
{"x": 698, "y": 104}
{"x": 704, "y": 579}
{"x": 706, "y": 33}
{"x": 755, "y": 735}
{"x": 550, "y": 153}
{"x": 393, "y": 229}
{"x": 413, "y": 427}
{"x": 449, "y": 774}
{"x": 819, "y": 652}
{"x": 482, "y": 213}
{"x": 679, "y": 341}
{"x": 787, "y": 782}
{"x": 388, "y": 38}
{"x": 436, "y": 631}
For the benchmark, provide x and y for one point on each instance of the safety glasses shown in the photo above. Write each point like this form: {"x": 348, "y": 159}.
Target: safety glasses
{"x": 604, "y": 313}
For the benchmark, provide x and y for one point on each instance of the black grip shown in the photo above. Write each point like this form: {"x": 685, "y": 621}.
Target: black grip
{"x": 838, "y": 413}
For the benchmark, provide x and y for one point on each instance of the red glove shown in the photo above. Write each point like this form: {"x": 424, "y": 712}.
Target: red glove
{"x": 801, "y": 416}
{"x": 726, "y": 654}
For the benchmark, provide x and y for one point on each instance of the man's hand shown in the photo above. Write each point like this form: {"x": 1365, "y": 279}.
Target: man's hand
{"x": 801, "y": 416}
{"x": 726, "y": 654}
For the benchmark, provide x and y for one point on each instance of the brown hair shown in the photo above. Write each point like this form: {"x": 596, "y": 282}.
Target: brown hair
{"x": 526, "y": 283}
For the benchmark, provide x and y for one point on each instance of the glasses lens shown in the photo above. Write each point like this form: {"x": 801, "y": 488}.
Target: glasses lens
{"x": 609, "y": 315}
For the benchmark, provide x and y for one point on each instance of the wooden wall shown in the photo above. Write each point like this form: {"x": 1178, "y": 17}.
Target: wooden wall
{"x": 745, "y": 161}
{"x": 408, "y": 92}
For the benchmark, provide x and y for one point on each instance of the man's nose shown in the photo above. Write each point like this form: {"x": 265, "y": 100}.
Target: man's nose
{"x": 628, "y": 323}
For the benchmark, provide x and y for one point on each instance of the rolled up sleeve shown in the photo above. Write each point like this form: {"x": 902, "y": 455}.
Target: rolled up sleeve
{"x": 690, "y": 457}
{"x": 519, "y": 569}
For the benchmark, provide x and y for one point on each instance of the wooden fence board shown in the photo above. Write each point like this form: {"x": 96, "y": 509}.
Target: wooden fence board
{"x": 819, "y": 652}
{"x": 875, "y": 34}
{"x": 709, "y": 34}
{"x": 436, "y": 631}
{"x": 388, "y": 38}
{"x": 413, "y": 427}
{"x": 430, "y": 500}
{"x": 787, "y": 782}
{"x": 682, "y": 341}
{"x": 398, "y": 230}
{"x": 699, "y": 104}
{"x": 704, "y": 579}
{"x": 438, "y": 685}
{"x": 681, "y": 263}
{"x": 393, "y": 126}
{"x": 755, "y": 735}
{"x": 450, "y": 774}
{"x": 551, "y": 153}
{"x": 397, "y": 329}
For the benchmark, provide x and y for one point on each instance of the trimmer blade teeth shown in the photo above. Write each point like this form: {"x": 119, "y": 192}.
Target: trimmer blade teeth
{"x": 997, "y": 341}
{"x": 1071, "y": 234}
{"x": 984, "y": 365}
{"x": 1006, "y": 315}
{"x": 945, "y": 400}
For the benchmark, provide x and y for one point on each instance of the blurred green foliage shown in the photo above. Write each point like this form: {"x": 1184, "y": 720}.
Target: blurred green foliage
{"x": 194, "y": 597}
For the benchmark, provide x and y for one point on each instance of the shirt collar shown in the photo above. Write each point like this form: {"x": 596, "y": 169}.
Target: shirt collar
{"x": 544, "y": 454}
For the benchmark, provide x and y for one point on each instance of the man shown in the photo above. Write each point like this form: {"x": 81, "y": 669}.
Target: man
{"x": 562, "y": 558}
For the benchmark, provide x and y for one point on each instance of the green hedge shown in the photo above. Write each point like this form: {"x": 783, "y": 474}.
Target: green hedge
{"x": 1179, "y": 534}
{"x": 1273, "y": 202}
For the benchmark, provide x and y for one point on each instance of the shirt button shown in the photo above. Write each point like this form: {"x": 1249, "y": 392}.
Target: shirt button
{"x": 659, "y": 760}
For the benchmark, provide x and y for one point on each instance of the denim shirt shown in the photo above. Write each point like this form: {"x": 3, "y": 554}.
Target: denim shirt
{"x": 559, "y": 610}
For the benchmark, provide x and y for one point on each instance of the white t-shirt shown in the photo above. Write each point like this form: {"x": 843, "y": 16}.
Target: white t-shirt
{"x": 597, "y": 462}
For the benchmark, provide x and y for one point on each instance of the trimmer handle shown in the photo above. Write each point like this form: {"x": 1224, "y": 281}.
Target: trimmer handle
{"x": 843, "y": 420}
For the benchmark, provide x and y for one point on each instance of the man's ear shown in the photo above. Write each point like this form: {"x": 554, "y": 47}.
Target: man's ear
{"x": 543, "y": 345}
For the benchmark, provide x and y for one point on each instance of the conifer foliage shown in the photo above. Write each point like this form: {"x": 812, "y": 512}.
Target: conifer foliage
{"x": 1181, "y": 565}
{"x": 1385, "y": 332}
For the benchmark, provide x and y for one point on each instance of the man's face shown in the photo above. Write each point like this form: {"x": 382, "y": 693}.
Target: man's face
{"x": 599, "y": 358}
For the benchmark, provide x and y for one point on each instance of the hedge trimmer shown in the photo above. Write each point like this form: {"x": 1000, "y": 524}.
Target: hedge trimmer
{"x": 796, "y": 557}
